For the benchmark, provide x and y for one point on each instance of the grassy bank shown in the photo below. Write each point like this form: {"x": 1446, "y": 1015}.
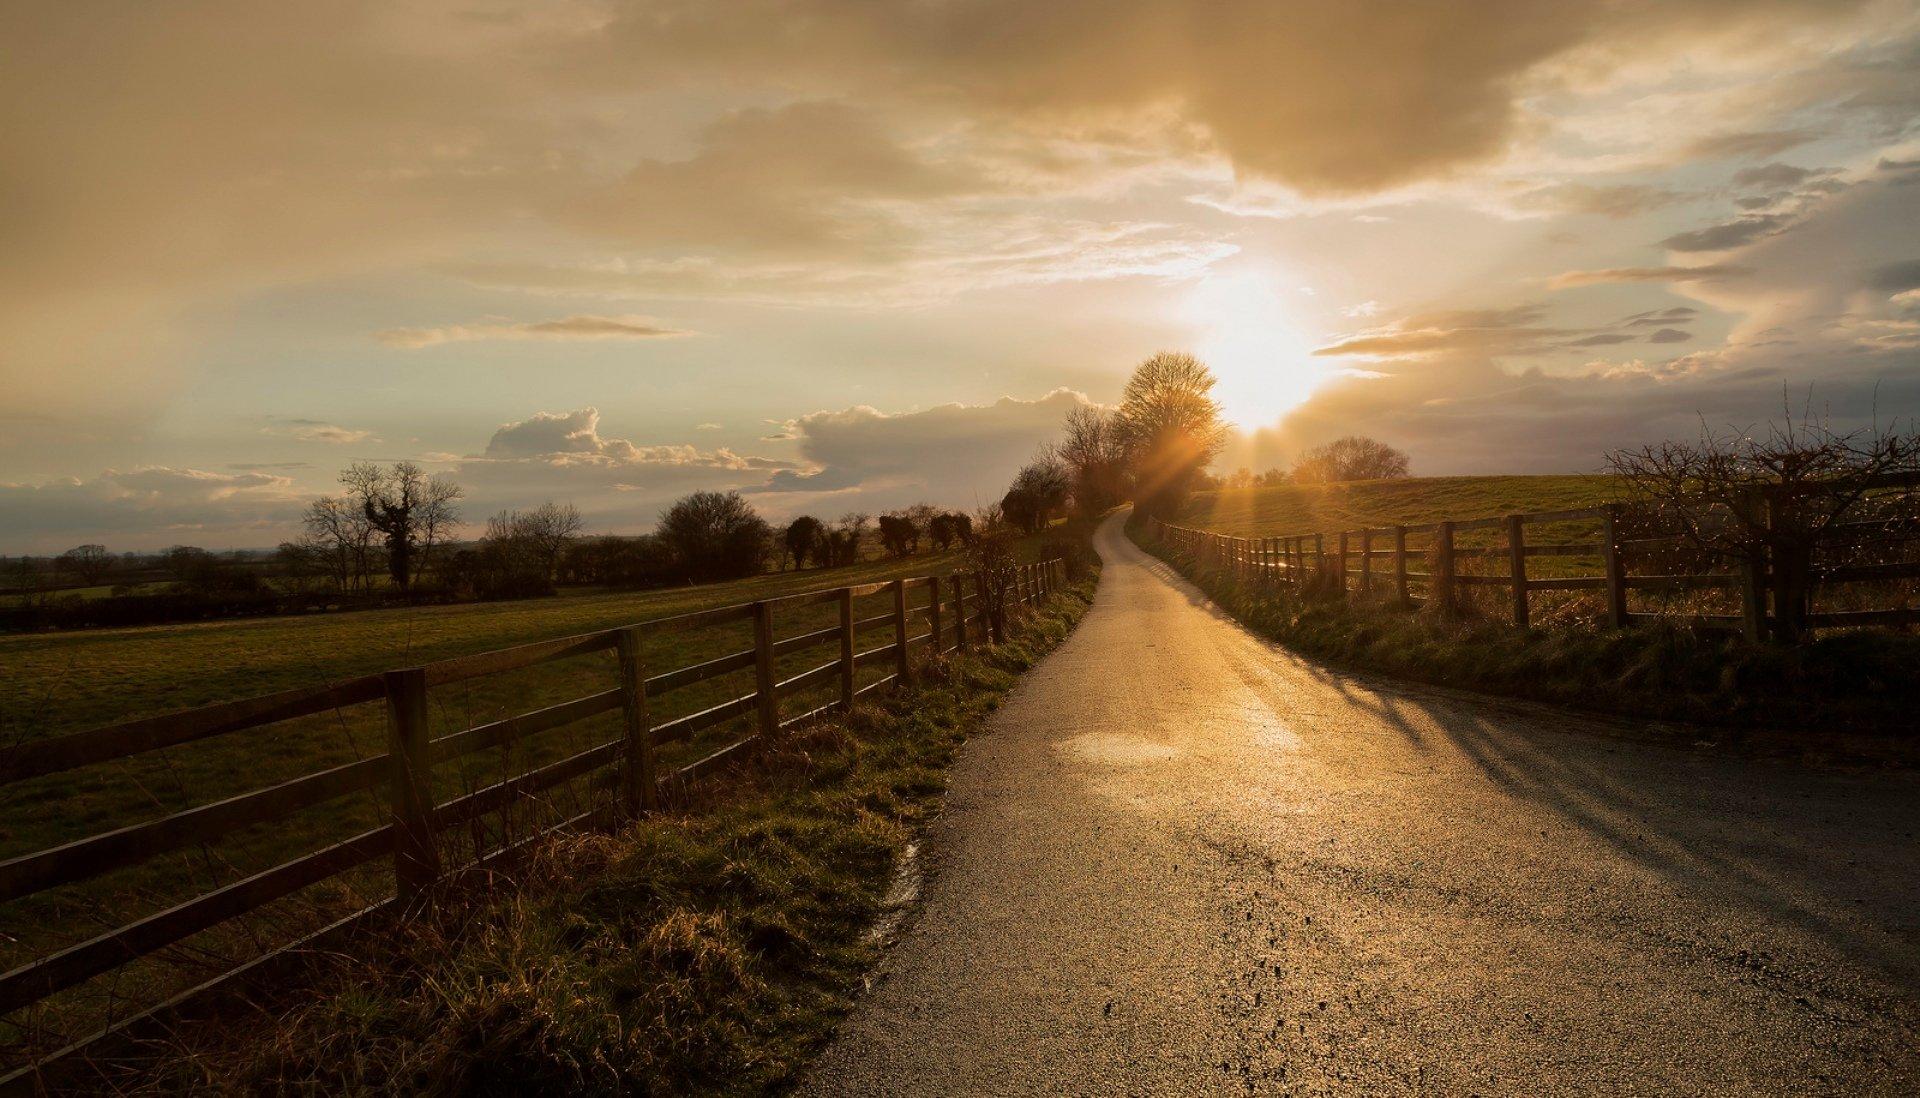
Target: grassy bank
{"x": 707, "y": 949}
{"x": 1845, "y": 695}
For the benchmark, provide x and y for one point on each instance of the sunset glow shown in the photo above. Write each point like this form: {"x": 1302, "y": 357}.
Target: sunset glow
{"x": 1252, "y": 339}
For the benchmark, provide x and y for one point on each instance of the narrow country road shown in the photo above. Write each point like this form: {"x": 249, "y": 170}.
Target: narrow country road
{"x": 1182, "y": 860}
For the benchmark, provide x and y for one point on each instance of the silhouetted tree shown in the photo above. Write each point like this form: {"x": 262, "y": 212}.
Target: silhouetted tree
{"x": 847, "y": 537}
{"x": 337, "y": 530}
{"x": 88, "y": 563}
{"x": 899, "y": 535}
{"x": 1040, "y": 491}
{"x": 1352, "y": 458}
{"x": 1172, "y": 428}
{"x": 715, "y": 535}
{"x": 409, "y": 508}
{"x": 547, "y": 530}
{"x": 802, "y": 539}
{"x": 949, "y": 529}
{"x": 1094, "y": 450}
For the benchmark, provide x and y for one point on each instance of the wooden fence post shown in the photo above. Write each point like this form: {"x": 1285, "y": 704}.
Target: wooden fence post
{"x": 933, "y": 615}
{"x": 1753, "y": 595}
{"x": 902, "y": 666}
{"x": 766, "y": 703}
{"x": 1442, "y": 582}
{"x": 1400, "y": 564}
{"x": 1366, "y": 562}
{"x": 639, "y": 788}
{"x": 1340, "y": 564}
{"x": 1616, "y": 568}
{"x": 960, "y": 609}
{"x": 416, "y": 860}
{"x": 1517, "y": 566}
{"x": 1320, "y": 557}
{"x": 846, "y": 649}
{"x": 989, "y": 612}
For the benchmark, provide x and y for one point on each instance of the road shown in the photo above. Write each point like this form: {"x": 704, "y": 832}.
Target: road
{"x": 1182, "y": 860}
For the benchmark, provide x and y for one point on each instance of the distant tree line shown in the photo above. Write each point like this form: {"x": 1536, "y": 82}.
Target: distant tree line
{"x": 1354, "y": 457}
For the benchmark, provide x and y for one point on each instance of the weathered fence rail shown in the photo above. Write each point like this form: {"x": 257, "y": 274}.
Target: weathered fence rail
{"x": 1423, "y": 564}
{"x": 960, "y": 610}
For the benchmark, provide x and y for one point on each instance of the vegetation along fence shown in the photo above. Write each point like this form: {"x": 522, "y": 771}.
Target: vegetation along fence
{"x": 625, "y": 768}
{"x": 1854, "y": 569}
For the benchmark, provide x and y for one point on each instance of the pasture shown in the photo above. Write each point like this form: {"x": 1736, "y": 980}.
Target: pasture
{"x": 66, "y": 682}
{"x": 1287, "y": 509}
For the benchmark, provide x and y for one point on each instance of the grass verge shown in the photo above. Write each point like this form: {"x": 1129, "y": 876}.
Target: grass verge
{"x": 707, "y": 949}
{"x": 1846, "y": 696}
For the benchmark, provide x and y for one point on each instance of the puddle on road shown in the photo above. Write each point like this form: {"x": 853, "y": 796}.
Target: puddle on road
{"x": 1116, "y": 749}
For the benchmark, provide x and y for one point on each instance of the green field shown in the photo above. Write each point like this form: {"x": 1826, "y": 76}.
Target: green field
{"x": 63, "y": 682}
{"x": 1323, "y": 508}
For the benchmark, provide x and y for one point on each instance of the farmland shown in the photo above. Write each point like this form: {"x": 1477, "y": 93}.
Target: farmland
{"x": 58, "y": 683}
{"x": 1289, "y": 509}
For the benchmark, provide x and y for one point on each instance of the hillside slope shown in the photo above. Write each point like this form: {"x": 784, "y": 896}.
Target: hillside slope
{"x": 1302, "y": 509}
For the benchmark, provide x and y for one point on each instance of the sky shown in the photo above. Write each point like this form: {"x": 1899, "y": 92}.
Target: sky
{"x": 843, "y": 256}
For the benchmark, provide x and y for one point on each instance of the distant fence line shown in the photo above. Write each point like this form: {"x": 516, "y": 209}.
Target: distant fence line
{"x": 1344, "y": 560}
{"x": 961, "y": 610}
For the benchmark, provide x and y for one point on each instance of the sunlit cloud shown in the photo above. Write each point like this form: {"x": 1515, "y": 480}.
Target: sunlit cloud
{"x": 566, "y": 328}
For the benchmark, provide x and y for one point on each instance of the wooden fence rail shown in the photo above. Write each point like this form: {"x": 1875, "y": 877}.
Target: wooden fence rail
{"x": 957, "y": 619}
{"x": 1300, "y": 560}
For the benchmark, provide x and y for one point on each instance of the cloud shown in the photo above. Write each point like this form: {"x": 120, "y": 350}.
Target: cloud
{"x": 1482, "y": 331}
{"x": 961, "y": 455}
{"x": 331, "y": 433}
{"x": 315, "y": 430}
{"x": 567, "y": 328}
{"x": 148, "y": 506}
{"x": 1600, "y": 339}
{"x": 1748, "y": 144}
{"x": 1730, "y": 234}
{"x": 1615, "y": 201}
{"x": 1896, "y": 277}
{"x": 1814, "y": 309}
{"x": 1776, "y": 175}
{"x": 573, "y": 439}
{"x": 1701, "y": 273}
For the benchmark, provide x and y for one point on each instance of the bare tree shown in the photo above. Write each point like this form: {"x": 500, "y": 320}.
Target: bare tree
{"x": 338, "y": 530}
{"x": 1172, "y": 428}
{"x": 1767, "y": 499}
{"x": 548, "y": 529}
{"x": 1352, "y": 458}
{"x": 1094, "y": 450}
{"x": 89, "y": 563}
{"x": 411, "y": 510}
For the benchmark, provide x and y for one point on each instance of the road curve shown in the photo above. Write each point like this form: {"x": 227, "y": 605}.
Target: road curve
{"x": 1182, "y": 860}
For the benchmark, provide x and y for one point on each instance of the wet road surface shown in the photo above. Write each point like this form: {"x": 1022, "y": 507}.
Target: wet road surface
{"x": 1182, "y": 860}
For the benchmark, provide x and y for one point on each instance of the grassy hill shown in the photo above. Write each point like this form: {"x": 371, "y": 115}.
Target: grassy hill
{"x": 1304, "y": 509}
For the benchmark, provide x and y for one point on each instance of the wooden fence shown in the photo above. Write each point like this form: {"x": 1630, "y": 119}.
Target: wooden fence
{"x": 1418, "y": 564}
{"x": 960, "y": 611}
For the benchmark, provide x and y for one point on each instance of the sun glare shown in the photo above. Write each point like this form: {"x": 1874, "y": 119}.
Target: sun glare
{"x": 1248, "y": 336}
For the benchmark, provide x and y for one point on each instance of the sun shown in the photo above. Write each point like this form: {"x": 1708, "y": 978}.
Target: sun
{"x": 1254, "y": 345}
